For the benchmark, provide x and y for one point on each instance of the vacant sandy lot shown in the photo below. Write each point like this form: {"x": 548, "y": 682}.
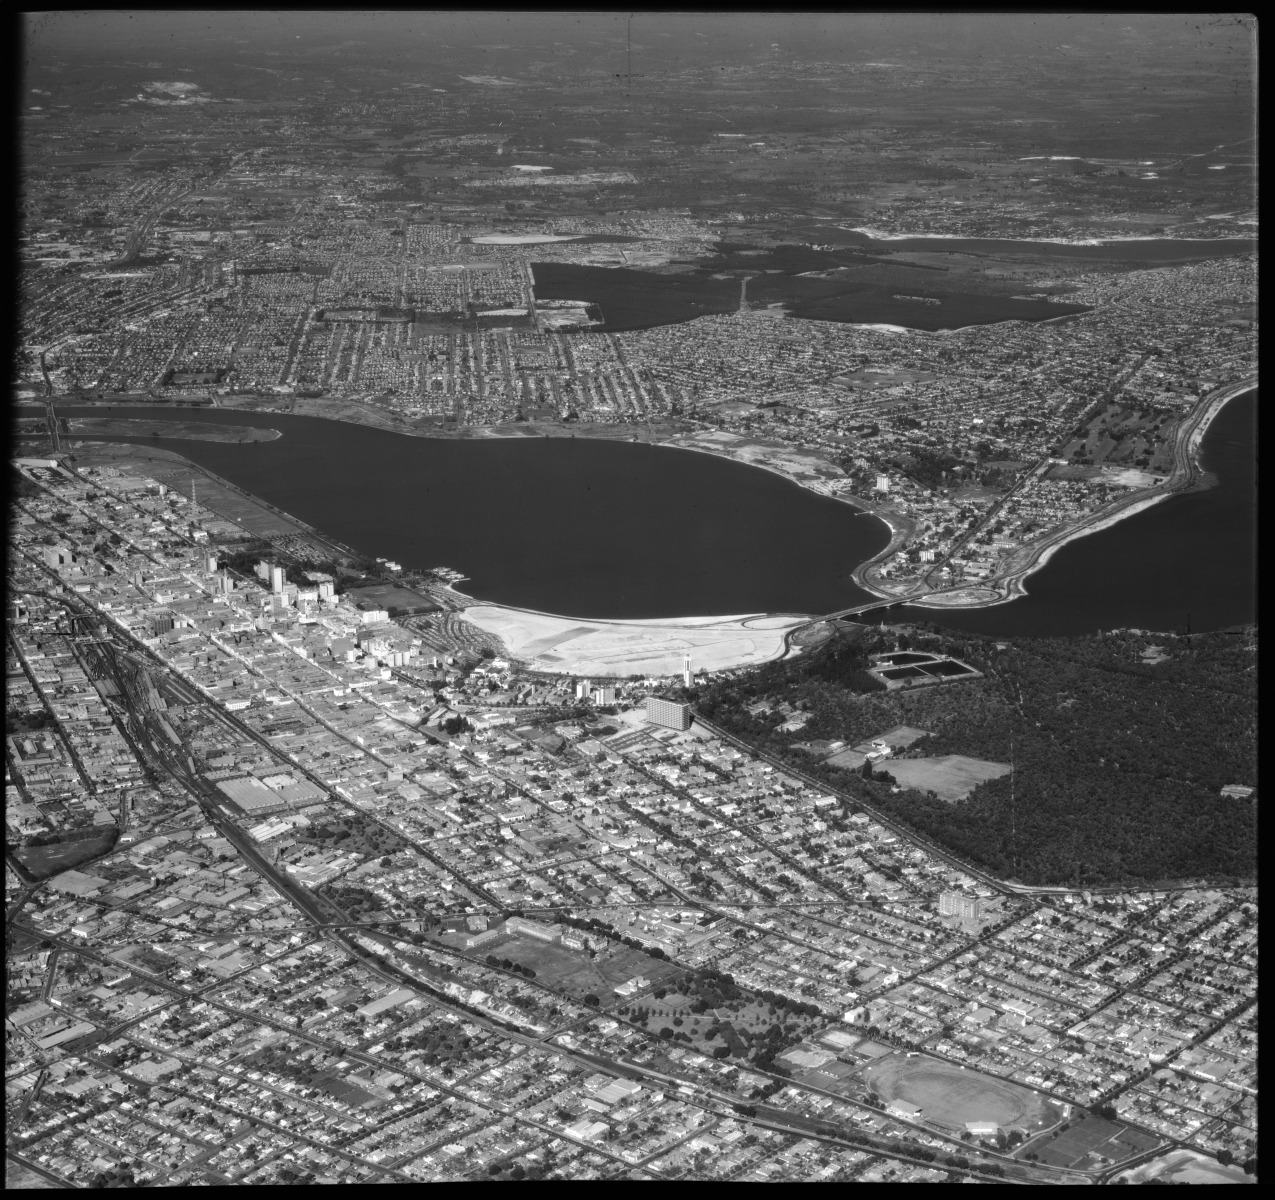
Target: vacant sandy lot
{"x": 810, "y": 470}
{"x": 570, "y": 646}
{"x": 520, "y": 239}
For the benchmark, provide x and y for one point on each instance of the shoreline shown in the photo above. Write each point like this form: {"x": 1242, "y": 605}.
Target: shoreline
{"x": 145, "y": 453}
{"x": 1003, "y": 587}
{"x": 389, "y": 424}
{"x": 878, "y": 235}
{"x": 548, "y": 643}
{"x": 1011, "y": 583}
{"x": 185, "y": 432}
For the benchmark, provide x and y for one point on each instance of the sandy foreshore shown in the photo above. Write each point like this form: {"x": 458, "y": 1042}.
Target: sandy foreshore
{"x": 619, "y": 649}
{"x": 901, "y": 529}
{"x": 657, "y": 647}
{"x": 878, "y": 235}
{"x": 1007, "y": 586}
{"x": 523, "y": 239}
{"x": 1009, "y": 583}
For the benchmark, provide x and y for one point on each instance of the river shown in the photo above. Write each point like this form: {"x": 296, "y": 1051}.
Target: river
{"x": 1191, "y": 557}
{"x": 590, "y": 528}
{"x": 581, "y": 527}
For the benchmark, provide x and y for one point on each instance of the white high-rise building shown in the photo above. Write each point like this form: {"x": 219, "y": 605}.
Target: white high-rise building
{"x": 276, "y": 580}
{"x": 957, "y": 904}
{"x": 688, "y": 676}
{"x": 883, "y": 483}
{"x": 668, "y": 713}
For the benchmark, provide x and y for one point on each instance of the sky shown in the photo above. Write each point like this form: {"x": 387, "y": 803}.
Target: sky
{"x": 667, "y": 35}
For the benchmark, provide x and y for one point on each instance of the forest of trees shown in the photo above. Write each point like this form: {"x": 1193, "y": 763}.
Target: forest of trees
{"x": 1118, "y": 764}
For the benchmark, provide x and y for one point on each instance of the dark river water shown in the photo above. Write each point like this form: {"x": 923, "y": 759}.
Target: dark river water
{"x": 591, "y": 528}
{"x": 1192, "y": 557}
{"x": 577, "y": 526}
{"x": 628, "y": 300}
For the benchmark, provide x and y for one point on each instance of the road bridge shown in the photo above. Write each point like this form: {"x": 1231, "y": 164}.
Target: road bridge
{"x": 858, "y": 609}
{"x": 854, "y": 611}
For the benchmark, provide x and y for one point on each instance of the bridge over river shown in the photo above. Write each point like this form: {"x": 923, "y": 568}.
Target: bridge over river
{"x": 859, "y": 609}
{"x": 854, "y": 611}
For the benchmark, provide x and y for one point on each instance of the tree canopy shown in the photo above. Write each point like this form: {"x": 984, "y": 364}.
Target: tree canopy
{"x": 1118, "y": 763}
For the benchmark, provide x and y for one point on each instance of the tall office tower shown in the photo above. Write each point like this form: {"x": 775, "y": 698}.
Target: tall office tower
{"x": 276, "y": 580}
{"x": 883, "y": 483}
{"x": 210, "y": 564}
{"x": 582, "y": 689}
{"x": 688, "y": 676}
{"x": 603, "y": 694}
{"x": 327, "y": 590}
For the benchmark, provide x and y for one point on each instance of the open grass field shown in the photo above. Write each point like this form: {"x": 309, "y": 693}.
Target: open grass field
{"x": 847, "y": 760}
{"x": 391, "y": 596}
{"x": 43, "y": 861}
{"x": 949, "y": 1096}
{"x": 898, "y": 738}
{"x": 950, "y": 777}
{"x": 1087, "y": 1141}
{"x": 174, "y": 471}
{"x": 198, "y": 431}
{"x": 17, "y": 1176}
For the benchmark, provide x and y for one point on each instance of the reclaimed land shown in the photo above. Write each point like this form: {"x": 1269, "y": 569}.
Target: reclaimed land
{"x": 255, "y": 516}
{"x": 616, "y": 649}
{"x": 193, "y": 431}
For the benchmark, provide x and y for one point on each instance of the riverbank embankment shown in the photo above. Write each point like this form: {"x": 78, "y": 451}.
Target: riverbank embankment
{"x": 1010, "y": 581}
{"x": 94, "y": 428}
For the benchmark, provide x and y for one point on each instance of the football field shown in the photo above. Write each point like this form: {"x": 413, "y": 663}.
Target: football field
{"x": 949, "y": 1096}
